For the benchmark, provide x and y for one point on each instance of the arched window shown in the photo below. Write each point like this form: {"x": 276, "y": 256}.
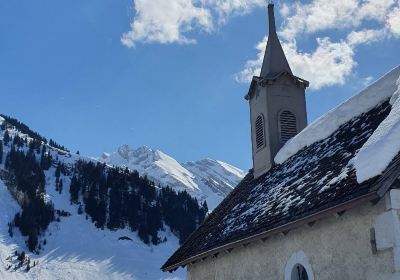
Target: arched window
{"x": 298, "y": 267}
{"x": 260, "y": 135}
{"x": 299, "y": 273}
{"x": 287, "y": 125}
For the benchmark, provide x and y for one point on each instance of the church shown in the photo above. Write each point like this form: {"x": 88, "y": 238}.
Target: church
{"x": 311, "y": 207}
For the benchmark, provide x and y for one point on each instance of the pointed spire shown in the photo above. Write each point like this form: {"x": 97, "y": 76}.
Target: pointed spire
{"x": 274, "y": 57}
{"x": 271, "y": 19}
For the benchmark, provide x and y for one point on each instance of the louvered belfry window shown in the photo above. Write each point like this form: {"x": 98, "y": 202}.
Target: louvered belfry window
{"x": 287, "y": 125}
{"x": 260, "y": 131}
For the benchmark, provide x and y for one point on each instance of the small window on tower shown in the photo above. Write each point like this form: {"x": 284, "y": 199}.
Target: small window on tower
{"x": 287, "y": 125}
{"x": 260, "y": 132}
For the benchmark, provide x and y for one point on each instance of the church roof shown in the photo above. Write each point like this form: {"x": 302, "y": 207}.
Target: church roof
{"x": 316, "y": 181}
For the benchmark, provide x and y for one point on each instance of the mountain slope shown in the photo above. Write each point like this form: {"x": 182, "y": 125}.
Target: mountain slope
{"x": 207, "y": 179}
{"x": 76, "y": 249}
{"x": 71, "y": 246}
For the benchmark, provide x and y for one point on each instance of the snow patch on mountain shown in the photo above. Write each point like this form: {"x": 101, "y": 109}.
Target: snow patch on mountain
{"x": 206, "y": 179}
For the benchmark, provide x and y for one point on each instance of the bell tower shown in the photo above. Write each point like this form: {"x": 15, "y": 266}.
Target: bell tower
{"x": 277, "y": 103}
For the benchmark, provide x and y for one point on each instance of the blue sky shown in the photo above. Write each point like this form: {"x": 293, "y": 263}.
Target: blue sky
{"x": 96, "y": 74}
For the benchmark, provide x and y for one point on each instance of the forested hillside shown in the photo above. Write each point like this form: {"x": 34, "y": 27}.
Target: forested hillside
{"x": 111, "y": 198}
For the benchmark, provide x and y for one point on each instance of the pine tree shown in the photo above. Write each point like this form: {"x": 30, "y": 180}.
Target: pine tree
{"x": 101, "y": 214}
{"x": 74, "y": 189}
{"x": 60, "y": 186}
{"x": 32, "y": 241}
{"x": 6, "y": 137}
{"x": 1, "y": 151}
{"x": 58, "y": 171}
{"x": 43, "y": 159}
{"x": 80, "y": 210}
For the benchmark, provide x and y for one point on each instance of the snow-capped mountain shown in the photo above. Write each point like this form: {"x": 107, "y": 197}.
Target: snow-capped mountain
{"x": 206, "y": 179}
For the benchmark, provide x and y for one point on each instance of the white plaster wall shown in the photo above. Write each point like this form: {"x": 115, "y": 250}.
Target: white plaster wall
{"x": 336, "y": 248}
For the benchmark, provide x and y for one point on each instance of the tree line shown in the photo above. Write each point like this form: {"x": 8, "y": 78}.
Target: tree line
{"x": 117, "y": 198}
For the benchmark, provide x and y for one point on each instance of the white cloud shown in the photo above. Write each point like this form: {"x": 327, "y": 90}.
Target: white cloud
{"x": 169, "y": 21}
{"x": 374, "y": 10}
{"x": 225, "y": 8}
{"x": 367, "y": 81}
{"x": 253, "y": 67}
{"x": 321, "y": 15}
{"x": 365, "y": 36}
{"x": 318, "y": 15}
{"x": 284, "y": 10}
{"x": 393, "y": 22}
{"x": 166, "y": 21}
{"x": 330, "y": 63}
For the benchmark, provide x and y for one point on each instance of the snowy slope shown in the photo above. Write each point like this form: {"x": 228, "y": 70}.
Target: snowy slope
{"x": 75, "y": 249}
{"x": 207, "y": 179}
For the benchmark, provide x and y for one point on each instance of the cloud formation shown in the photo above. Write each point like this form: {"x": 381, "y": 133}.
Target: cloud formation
{"x": 393, "y": 22}
{"x": 166, "y": 21}
{"x": 161, "y": 21}
{"x": 330, "y": 63}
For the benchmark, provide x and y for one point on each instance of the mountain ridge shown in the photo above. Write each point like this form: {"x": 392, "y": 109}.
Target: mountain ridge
{"x": 206, "y": 179}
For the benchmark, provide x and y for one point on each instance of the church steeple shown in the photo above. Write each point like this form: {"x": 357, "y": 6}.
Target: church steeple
{"x": 277, "y": 103}
{"x": 275, "y": 60}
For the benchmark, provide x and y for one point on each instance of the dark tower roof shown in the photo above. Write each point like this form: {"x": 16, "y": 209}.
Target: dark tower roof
{"x": 275, "y": 64}
{"x": 274, "y": 58}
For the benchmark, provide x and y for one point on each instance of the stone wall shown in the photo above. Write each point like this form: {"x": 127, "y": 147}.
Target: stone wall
{"x": 338, "y": 247}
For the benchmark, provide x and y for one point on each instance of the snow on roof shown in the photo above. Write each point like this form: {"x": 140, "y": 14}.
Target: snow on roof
{"x": 383, "y": 145}
{"x": 331, "y": 121}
